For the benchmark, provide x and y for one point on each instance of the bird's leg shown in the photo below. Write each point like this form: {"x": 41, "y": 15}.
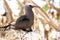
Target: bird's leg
{"x": 27, "y": 29}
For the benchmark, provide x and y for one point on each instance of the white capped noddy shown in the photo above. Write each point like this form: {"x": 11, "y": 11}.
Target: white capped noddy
{"x": 26, "y": 21}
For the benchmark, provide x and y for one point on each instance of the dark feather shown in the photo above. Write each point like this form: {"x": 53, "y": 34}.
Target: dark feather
{"x": 22, "y": 23}
{"x": 26, "y": 21}
{"x": 22, "y": 19}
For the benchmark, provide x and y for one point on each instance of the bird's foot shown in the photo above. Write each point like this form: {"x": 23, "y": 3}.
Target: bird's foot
{"x": 28, "y": 30}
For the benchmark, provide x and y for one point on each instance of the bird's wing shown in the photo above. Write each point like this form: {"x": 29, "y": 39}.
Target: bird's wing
{"x": 23, "y": 19}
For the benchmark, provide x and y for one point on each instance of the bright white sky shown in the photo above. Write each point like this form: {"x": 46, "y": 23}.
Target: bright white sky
{"x": 57, "y": 3}
{"x": 1, "y": 7}
{"x": 39, "y": 2}
{"x": 14, "y": 6}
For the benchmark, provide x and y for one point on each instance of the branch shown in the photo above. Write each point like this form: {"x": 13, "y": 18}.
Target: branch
{"x": 9, "y": 14}
{"x": 46, "y": 17}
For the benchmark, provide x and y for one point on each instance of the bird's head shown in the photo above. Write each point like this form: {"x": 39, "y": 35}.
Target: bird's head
{"x": 28, "y": 9}
{"x": 30, "y": 6}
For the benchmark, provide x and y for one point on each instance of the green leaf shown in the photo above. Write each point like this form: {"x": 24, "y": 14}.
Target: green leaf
{"x": 45, "y": 8}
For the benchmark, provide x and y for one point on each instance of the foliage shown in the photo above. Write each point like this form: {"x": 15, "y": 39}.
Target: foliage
{"x": 58, "y": 18}
{"x": 45, "y": 7}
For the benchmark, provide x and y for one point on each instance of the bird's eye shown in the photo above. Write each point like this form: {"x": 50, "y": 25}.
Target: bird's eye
{"x": 30, "y": 5}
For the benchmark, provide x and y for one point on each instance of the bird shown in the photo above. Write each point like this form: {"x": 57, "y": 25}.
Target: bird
{"x": 25, "y": 21}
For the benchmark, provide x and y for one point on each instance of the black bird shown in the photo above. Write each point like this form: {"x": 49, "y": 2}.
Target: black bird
{"x": 26, "y": 21}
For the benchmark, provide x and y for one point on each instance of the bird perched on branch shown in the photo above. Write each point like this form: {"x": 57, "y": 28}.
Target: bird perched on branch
{"x": 26, "y": 21}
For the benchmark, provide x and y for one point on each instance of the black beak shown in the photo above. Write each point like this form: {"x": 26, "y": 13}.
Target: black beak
{"x": 35, "y": 6}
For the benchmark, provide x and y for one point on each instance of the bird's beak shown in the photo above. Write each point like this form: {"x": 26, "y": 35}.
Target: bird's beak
{"x": 36, "y": 6}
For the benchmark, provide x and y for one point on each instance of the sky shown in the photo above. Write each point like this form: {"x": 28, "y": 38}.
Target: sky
{"x": 14, "y": 6}
{"x": 1, "y": 7}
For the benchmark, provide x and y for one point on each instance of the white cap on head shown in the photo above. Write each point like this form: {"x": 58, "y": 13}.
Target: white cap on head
{"x": 28, "y": 4}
